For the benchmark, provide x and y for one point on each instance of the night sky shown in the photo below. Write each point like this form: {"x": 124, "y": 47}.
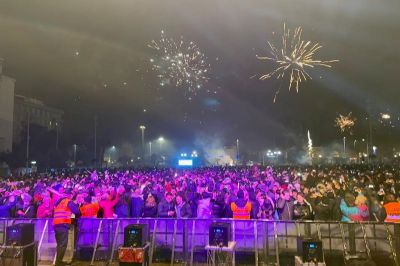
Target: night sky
{"x": 91, "y": 58}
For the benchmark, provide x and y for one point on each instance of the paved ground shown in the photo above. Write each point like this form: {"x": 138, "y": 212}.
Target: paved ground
{"x": 284, "y": 261}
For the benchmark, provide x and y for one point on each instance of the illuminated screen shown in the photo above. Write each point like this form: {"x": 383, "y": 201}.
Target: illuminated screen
{"x": 185, "y": 162}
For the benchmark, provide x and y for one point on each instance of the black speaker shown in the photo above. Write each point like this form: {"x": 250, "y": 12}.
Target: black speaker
{"x": 219, "y": 234}
{"x": 310, "y": 249}
{"x": 20, "y": 234}
{"x": 136, "y": 235}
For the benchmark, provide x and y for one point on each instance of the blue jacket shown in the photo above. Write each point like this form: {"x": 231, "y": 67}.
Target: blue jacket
{"x": 347, "y": 211}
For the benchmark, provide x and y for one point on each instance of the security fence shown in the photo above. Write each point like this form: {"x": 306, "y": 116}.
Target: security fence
{"x": 183, "y": 240}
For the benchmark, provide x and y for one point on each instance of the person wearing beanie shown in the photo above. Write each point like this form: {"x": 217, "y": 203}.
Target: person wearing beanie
{"x": 90, "y": 207}
{"x": 241, "y": 208}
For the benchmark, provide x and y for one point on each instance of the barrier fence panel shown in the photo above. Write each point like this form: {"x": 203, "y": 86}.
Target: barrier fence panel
{"x": 184, "y": 239}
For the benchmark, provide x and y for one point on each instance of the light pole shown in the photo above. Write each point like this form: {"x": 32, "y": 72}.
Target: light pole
{"x": 95, "y": 142}
{"x": 142, "y": 128}
{"x": 237, "y": 151}
{"x": 113, "y": 153}
{"x": 367, "y": 152}
{"x": 344, "y": 147}
{"x": 75, "y": 146}
{"x": 160, "y": 141}
{"x": 57, "y": 135}
{"x": 28, "y": 124}
{"x": 150, "y": 148}
{"x": 355, "y": 150}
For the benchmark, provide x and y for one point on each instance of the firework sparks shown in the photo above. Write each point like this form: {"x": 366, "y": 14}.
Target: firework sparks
{"x": 345, "y": 122}
{"x": 293, "y": 58}
{"x": 310, "y": 147}
{"x": 179, "y": 63}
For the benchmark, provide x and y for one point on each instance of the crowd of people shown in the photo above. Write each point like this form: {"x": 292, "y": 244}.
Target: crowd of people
{"x": 347, "y": 193}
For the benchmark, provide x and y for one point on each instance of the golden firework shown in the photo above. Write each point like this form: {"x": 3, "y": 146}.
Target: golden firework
{"x": 345, "y": 122}
{"x": 293, "y": 58}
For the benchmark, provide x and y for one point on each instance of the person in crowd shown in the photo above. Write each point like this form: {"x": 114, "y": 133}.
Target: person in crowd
{"x": 376, "y": 210}
{"x": 204, "y": 207}
{"x": 45, "y": 210}
{"x": 25, "y": 208}
{"x": 166, "y": 208}
{"x": 285, "y": 206}
{"x": 137, "y": 203}
{"x": 150, "y": 207}
{"x": 241, "y": 208}
{"x": 182, "y": 208}
{"x": 217, "y": 202}
{"x": 392, "y": 208}
{"x": 108, "y": 202}
{"x": 349, "y": 209}
{"x": 64, "y": 209}
{"x": 263, "y": 208}
{"x": 302, "y": 209}
{"x": 122, "y": 208}
{"x": 322, "y": 209}
{"x": 90, "y": 207}
{"x": 334, "y": 192}
{"x": 8, "y": 203}
{"x": 363, "y": 211}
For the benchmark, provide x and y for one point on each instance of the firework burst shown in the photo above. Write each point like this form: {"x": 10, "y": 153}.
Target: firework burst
{"x": 292, "y": 58}
{"x": 179, "y": 63}
{"x": 345, "y": 122}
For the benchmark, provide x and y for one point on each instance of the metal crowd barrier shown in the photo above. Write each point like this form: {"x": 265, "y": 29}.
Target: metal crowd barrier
{"x": 182, "y": 239}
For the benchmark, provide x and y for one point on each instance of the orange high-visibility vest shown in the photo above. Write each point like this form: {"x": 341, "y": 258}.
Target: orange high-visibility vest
{"x": 241, "y": 212}
{"x": 392, "y": 212}
{"x": 89, "y": 210}
{"x": 62, "y": 214}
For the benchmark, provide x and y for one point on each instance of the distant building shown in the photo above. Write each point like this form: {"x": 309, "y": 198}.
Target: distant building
{"x": 7, "y": 86}
{"x": 36, "y": 112}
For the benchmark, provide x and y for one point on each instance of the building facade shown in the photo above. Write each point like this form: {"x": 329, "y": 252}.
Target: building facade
{"x": 36, "y": 112}
{"x": 7, "y": 86}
